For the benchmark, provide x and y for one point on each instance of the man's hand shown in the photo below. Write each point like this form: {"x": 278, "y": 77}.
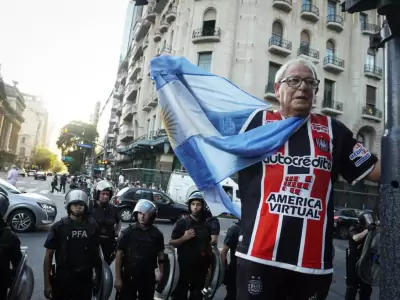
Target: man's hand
{"x": 118, "y": 284}
{"x": 48, "y": 291}
{"x": 189, "y": 234}
{"x": 371, "y": 226}
{"x": 159, "y": 276}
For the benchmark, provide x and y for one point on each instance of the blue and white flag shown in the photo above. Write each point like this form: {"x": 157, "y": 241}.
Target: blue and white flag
{"x": 203, "y": 115}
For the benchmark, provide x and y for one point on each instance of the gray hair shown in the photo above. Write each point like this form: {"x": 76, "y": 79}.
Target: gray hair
{"x": 297, "y": 61}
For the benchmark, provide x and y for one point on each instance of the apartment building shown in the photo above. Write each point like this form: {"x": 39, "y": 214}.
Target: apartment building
{"x": 247, "y": 41}
{"x": 34, "y": 129}
{"x": 12, "y": 106}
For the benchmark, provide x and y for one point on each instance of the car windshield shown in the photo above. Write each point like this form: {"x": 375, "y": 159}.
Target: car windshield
{"x": 9, "y": 188}
{"x": 40, "y": 173}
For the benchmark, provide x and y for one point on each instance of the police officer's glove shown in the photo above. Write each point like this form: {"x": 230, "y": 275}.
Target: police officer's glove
{"x": 371, "y": 226}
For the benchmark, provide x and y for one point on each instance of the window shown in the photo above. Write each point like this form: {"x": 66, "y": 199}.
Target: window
{"x": 371, "y": 96}
{"x": 329, "y": 88}
{"x": 331, "y": 8}
{"x": 148, "y": 126}
{"x": 160, "y": 198}
{"x": 330, "y": 49}
{"x": 142, "y": 194}
{"x": 273, "y": 69}
{"x": 360, "y": 138}
{"x": 304, "y": 39}
{"x": 22, "y": 151}
{"x": 209, "y": 22}
{"x": 277, "y": 29}
{"x": 23, "y": 140}
{"x": 204, "y": 61}
{"x": 370, "y": 57}
{"x": 363, "y": 20}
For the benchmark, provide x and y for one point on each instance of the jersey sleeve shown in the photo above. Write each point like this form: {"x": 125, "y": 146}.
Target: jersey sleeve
{"x": 231, "y": 238}
{"x": 179, "y": 229}
{"x": 51, "y": 240}
{"x": 355, "y": 161}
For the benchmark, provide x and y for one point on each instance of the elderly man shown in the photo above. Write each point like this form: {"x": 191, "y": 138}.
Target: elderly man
{"x": 12, "y": 176}
{"x": 287, "y": 200}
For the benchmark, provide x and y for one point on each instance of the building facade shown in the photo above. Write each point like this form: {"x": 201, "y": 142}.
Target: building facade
{"x": 246, "y": 42}
{"x": 34, "y": 129}
{"x": 12, "y": 106}
{"x": 94, "y": 117}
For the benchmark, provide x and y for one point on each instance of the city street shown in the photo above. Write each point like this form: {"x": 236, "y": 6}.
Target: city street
{"x": 35, "y": 240}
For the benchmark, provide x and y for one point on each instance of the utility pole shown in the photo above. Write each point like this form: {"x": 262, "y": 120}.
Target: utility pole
{"x": 390, "y": 147}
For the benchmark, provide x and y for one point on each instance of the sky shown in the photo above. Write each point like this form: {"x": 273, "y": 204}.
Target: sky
{"x": 67, "y": 52}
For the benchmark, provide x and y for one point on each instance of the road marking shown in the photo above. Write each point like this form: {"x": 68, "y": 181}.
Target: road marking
{"x": 31, "y": 190}
{"x": 44, "y": 191}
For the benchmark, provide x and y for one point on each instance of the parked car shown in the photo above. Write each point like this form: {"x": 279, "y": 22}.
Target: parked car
{"x": 27, "y": 210}
{"x": 31, "y": 173}
{"x": 343, "y": 219}
{"x": 49, "y": 174}
{"x": 40, "y": 175}
{"x": 22, "y": 172}
{"x": 127, "y": 198}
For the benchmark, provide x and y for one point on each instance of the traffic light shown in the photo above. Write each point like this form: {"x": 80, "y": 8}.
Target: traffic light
{"x": 105, "y": 162}
{"x": 99, "y": 161}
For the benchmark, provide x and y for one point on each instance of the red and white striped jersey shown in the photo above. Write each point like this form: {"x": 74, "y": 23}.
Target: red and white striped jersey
{"x": 287, "y": 199}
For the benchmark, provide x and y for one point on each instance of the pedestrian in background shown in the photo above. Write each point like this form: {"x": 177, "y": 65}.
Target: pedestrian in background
{"x": 63, "y": 182}
{"x": 12, "y": 175}
{"x": 54, "y": 184}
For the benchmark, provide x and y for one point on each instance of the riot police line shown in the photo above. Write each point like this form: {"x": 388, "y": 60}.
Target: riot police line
{"x": 100, "y": 284}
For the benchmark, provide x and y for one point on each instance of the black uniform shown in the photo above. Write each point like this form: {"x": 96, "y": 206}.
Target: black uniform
{"x": 106, "y": 217}
{"x": 353, "y": 281}
{"x": 194, "y": 258}
{"x": 10, "y": 252}
{"x": 76, "y": 246}
{"x": 140, "y": 249}
{"x": 231, "y": 240}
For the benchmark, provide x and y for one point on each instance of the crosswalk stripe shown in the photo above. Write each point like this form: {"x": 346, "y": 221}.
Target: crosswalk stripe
{"x": 31, "y": 190}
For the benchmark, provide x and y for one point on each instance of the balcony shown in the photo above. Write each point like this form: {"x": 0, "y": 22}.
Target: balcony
{"x": 151, "y": 15}
{"x": 373, "y": 71}
{"x": 170, "y": 16}
{"x": 330, "y": 107}
{"x": 335, "y": 23}
{"x": 127, "y": 112}
{"x": 130, "y": 91}
{"x": 116, "y": 128}
{"x": 333, "y": 64}
{"x": 115, "y": 105}
{"x": 310, "y": 13}
{"x": 370, "y": 112}
{"x": 113, "y": 120}
{"x": 284, "y": 5}
{"x": 118, "y": 113}
{"x": 279, "y": 46}
{"x": 151, "y": 102}
{"x": 166, "y": 49}
{"x": 141, "y": 29}
{"x": 126, "y": 134}
{"x": 206, "y": 35}
{"x": 157, "y": 36}
{"x": 368, "y": 28}
{"x": 164, "y": 26}
{"x": 308, "y": 53}
{"x": 160, "y": 5}
{"x": 269, "y": 92}
{"x": 110, "y": 135}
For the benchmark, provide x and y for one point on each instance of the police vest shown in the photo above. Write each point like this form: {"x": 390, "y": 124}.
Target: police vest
{"x": 142, "y": 250}
{"x": 105, "y": 218}
{"x": 78, "y": 250}
{"x": 198, "y": 247}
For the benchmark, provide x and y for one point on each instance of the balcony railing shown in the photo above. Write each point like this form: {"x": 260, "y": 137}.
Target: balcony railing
{"x": 329, "y": 103}
{"x": 335, "y": 19}
{"x": 277, "y": 40}
{"x": 153, "y": 135}
{"x": 370, "y": 27}
{"x": 207, "y": 31}
{"x": 373, "y": 69}
{"x": 309, "y": 8}
{"x": 333, "y": 60}
{"x": 372, "y": 111}
{"x": 305, "y": 50}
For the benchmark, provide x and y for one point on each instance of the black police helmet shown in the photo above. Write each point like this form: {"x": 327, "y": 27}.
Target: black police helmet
{"x": 199, "y": 197}
{"x": 4, "y": 204}
{"x": 104, "y": 185}
{"x": 76, "y": 196}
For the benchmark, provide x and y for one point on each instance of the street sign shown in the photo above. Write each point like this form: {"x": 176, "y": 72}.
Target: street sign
{"x": 67, "y": 158}
{"x": 84, "y": 145}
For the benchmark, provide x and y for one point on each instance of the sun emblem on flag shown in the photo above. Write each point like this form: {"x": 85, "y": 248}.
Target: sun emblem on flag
{"x": 170, "y": 124}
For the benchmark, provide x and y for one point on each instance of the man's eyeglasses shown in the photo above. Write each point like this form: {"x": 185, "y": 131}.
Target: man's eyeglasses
{"x": 295, "y": 82}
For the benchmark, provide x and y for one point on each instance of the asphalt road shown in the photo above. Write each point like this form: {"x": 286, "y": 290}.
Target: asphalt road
{"x": 35, "y": 240}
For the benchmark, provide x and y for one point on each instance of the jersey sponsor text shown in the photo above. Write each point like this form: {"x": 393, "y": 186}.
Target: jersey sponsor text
{"x": 294, "y": 206}
{"x": 319, "y": 162}
{"x": 319, "y": 128}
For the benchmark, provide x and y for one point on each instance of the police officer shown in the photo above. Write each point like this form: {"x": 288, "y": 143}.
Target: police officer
{"x": 192, "y": 238}
{"x": 230, "y": 243}
{"x": 357, "y": 236}
{"x": 106, "y": 216}
{"x": 75, "y": 242}
{"x": 139, "y": 248}
{"x": 10, "y": 251}
{"x": 213, "y": 222}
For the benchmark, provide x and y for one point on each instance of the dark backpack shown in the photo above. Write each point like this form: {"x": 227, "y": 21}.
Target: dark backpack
{"x": 368, "y": 266}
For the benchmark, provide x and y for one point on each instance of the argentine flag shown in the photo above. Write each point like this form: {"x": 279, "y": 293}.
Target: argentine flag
{"x": 203, "y": 115}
